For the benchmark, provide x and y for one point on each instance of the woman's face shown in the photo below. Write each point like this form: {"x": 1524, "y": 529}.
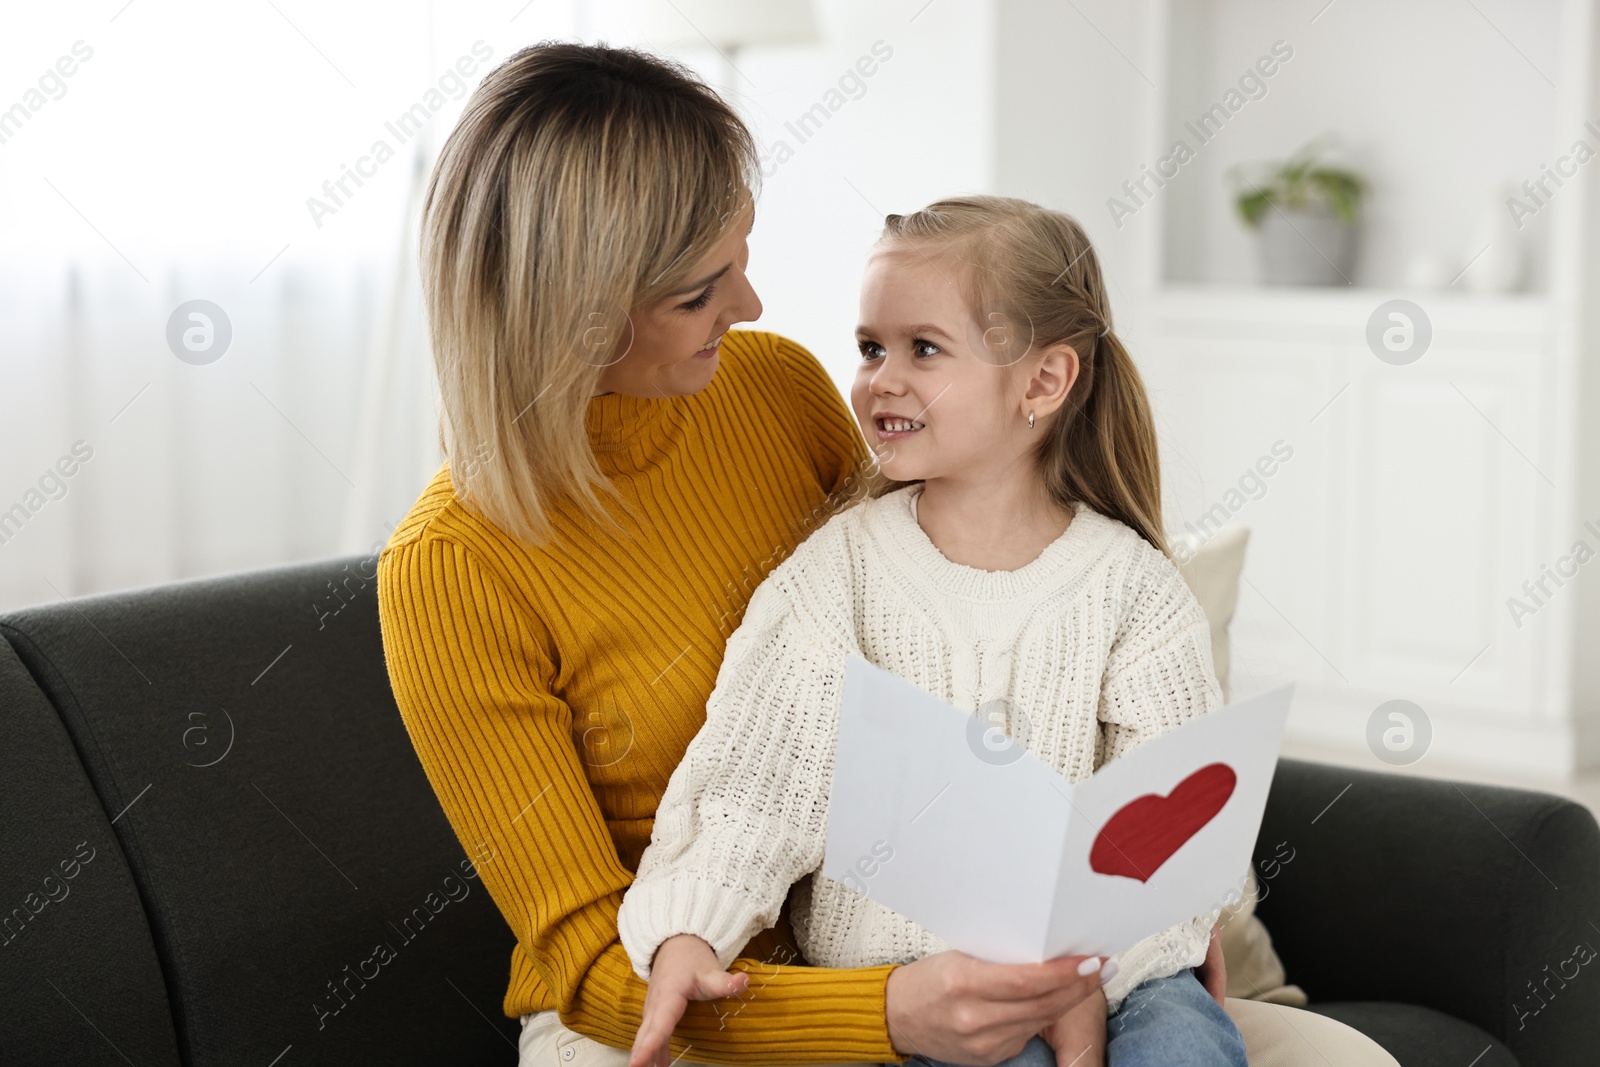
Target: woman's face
{"x": 672, "y": 350}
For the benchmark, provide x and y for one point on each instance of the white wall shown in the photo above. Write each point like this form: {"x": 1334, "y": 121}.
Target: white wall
{"x": 1070, "y": 97}
{"x": 923, "y": 130}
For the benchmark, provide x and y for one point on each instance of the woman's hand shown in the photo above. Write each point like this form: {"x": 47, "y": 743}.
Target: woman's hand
{"x": 949, "y": 1006}
{"x": 1213, "y": 973}
{"x": 685, "y": 968}
{"x": 1079, "y": 1036}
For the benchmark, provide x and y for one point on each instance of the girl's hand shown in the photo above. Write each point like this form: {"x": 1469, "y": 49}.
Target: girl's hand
{"x": 949, "y": 1006}
{"x": 685, "y": 969}
{"x": 1213, "y": 973}
{"x": 1079, "y": 1036}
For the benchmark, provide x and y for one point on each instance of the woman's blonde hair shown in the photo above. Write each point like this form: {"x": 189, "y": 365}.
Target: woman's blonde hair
{"x": 581, "y": 182}
{"x": 1032, "y": 279}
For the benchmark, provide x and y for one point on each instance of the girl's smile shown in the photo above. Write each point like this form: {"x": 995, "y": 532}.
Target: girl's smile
{"x": 894, "y": 427}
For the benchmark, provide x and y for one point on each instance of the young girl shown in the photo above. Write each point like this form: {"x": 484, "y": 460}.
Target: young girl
{"x": 1011, "y": 556}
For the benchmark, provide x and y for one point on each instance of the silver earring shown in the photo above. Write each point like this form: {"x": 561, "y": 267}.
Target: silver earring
{"x": 1030, "y": 420}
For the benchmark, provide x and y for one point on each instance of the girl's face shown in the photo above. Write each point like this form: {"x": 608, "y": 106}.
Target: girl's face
{"x": 935, "y": 393}
{"x": 669, "y": 348}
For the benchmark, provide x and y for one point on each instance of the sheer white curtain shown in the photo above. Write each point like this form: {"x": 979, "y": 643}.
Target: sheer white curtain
{"x": 157, "y": 154}
{"x": 124, "y": 466}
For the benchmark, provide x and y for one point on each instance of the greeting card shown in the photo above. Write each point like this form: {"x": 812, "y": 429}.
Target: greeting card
{"x": 943, "y": 819}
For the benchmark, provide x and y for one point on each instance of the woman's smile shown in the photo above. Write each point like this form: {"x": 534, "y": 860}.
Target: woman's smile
{"x": 710, "y": 348}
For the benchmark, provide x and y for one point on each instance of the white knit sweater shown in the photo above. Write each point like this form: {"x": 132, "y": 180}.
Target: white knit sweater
{"x": 1098, "y": 641}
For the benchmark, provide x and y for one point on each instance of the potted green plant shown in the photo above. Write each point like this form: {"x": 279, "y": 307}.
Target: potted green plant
{"x": 1305, "y": 215}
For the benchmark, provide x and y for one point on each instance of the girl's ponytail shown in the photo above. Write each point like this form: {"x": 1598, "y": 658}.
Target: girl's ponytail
{"x": 1035, "y": 271}
{"x": 1105, "y": 454}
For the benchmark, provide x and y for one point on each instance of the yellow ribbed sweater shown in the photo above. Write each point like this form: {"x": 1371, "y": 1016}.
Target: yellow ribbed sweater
{"x": 550, "y": 691}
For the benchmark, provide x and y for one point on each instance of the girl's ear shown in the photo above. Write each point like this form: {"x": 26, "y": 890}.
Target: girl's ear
{"x": 1052, "y": 379}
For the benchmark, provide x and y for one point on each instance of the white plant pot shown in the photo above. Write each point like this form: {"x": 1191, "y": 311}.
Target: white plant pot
{"x": 1306, "y": 246}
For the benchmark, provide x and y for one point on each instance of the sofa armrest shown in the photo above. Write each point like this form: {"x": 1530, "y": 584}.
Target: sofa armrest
{"x": 75, "y": 942}
{"x": 1478, "y": 901}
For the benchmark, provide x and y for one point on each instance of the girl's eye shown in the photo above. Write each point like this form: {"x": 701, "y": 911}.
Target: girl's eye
{"x": 699, "y": 302}
{"x": 870, "y": 349}
{"x": 918, "y": 346}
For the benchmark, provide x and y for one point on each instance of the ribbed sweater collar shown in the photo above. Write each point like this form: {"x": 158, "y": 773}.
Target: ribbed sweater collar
{"x": 894, "y": 524}
{"x": 631, "y": 433}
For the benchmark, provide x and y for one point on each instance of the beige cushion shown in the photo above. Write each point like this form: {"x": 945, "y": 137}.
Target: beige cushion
{"x": 1212, "y": 570}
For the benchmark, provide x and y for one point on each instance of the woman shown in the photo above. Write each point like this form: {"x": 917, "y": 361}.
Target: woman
{"x": 622, "y": 473}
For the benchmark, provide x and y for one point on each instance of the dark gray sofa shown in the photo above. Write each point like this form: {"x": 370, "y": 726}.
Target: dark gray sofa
{"x": 217, "y": 847}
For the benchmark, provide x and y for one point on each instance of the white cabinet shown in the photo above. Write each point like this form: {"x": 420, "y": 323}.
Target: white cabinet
{"x": 1413, "y": 503}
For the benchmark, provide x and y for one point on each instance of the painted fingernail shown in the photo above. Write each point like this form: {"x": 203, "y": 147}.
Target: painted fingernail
{"x": 1109, "y": 971}
{"x": 1089, "y": 966}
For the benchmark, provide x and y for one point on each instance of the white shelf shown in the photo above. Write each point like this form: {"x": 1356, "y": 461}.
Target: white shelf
{"x": 1468, "y": 320}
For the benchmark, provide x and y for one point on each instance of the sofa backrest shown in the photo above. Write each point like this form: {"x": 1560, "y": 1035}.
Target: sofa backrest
{"x": 231, "y": 752}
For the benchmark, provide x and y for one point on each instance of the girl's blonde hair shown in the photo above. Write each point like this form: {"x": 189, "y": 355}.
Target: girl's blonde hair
{"x": 1031, "y": 279}
{"x": 581, "y": 182}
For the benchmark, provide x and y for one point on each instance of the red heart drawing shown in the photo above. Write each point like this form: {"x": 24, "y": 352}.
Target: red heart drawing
{"x": 1146, "y": 831}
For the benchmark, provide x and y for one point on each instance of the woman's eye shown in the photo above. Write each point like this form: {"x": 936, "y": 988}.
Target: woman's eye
{"x": 699, "y": 302}
{"x": 870, "y": 349}
{"x": 924, "y": 348}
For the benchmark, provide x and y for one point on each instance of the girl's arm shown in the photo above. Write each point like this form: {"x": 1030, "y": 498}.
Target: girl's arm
{"x": 1158, "y": 676}
{"x": 1159, "y": 673}
{"x": 745, "y": 813}
{"x": 472, "y": 675}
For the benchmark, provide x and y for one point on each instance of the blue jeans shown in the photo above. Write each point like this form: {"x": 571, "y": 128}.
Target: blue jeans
{"x": 1165, "y": 1022}
{"x": 1172, "y": 1021}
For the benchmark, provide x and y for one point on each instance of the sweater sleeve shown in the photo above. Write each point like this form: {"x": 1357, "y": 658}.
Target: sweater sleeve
{"x": 745, "y": 813}
{"x": 1159, "y": 675}
{"x": 824, "y": 422}
{"x": 473, "y": 676}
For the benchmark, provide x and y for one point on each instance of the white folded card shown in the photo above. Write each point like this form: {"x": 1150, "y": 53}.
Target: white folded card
{"x": 938, "y": 816}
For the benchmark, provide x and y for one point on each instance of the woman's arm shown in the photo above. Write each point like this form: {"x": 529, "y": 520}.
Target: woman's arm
{"x": 472, "y": 674}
